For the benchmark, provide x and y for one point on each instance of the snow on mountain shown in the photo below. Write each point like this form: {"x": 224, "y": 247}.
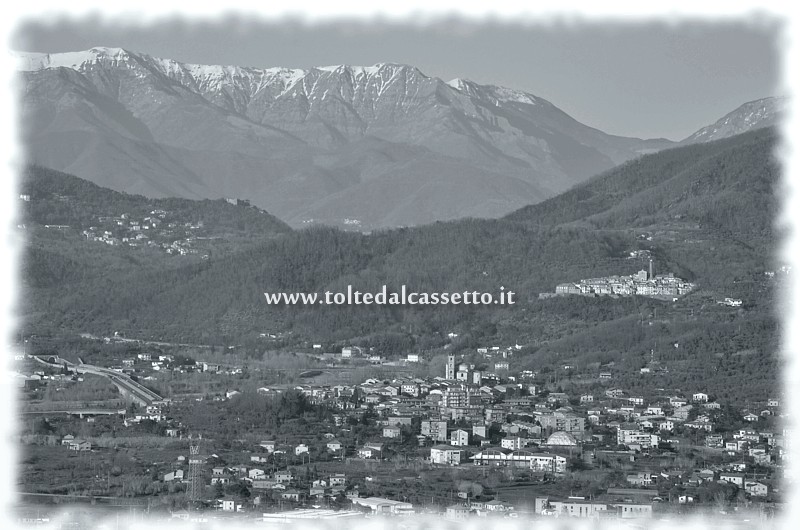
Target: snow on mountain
{"x": 751, "y": 115}
{"x": 384, "y": 144}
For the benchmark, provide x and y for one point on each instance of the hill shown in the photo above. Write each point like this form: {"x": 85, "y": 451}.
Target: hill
{"x": 77, "y": 229}
{"x": 704, "y": 212}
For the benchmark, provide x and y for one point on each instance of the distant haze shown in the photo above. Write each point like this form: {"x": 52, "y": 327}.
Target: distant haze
{"x": 643, "y": 80}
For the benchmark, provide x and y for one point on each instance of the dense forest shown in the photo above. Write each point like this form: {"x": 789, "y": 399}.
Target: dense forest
{"x": 705, "y": 212}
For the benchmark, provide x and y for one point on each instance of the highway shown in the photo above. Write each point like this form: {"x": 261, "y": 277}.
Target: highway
{"x": 139, "y": 392}
{"x": 126, "y": 385}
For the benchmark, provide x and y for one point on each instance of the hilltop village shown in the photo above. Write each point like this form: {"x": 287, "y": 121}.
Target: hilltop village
{"x": 643, "y": 283}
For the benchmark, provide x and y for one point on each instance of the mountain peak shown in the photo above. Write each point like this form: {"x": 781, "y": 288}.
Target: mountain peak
{"x": 752, "y": 115}
{"x": 32, "y": 61}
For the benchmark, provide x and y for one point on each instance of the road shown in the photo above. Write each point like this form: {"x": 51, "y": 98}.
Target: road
{"x": 126, "y": 385}
{"x": 78, "y": 412}
{"x": 139, "y": 392}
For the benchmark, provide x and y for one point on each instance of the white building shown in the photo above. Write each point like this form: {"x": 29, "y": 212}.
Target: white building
{"x": 459, "y": 437}
{"x": 446, "y": 455}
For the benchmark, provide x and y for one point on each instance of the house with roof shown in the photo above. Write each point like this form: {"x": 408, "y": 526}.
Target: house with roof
{"x": 459, "y": 437}
{"x": 677, "y": 401}
{"x": 291, "y": 495}
{"x": 80, "y": 445}
{"x": 548, "y": 463}
{"x": 446, "y": 455}
{"x": 227, "y": 504}
{"x": 283, "y": 477}
{"x": 371, "y": 450}
{"x": 756, "y": 489}
{"x": 456, "y": 512}
{"x": 256, "y": 474}
{"x": 733, "y": 478}
{"x": 174, "y": 475}
{"x": 642, "y": 478}
{"x": 221, "y": 479}
{"x": 498, "y": 506}
{"x": 392, "y": 432}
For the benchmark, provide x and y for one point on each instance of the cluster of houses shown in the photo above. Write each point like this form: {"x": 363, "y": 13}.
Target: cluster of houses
{"x": 463, "y": 420}
{"x": 475, "y": 418}
{"x": 153, "y": 231}
{"x": 643, "y": 283}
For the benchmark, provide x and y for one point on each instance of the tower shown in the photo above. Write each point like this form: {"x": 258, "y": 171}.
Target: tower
{"x": 195, "y": 474}
{"x": 652, "y": 271}
{"x": 450, "y": 369}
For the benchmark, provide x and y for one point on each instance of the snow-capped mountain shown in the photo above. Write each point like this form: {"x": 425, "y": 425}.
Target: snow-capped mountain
{"x": 749, "y": 116}
{"x": 383, "y": 145}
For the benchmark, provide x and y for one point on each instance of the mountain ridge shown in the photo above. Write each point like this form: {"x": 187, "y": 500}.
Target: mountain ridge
{"x": 361, "y": 147}
{"x": 756, "y": 114}
{"x": 284, "y": 137}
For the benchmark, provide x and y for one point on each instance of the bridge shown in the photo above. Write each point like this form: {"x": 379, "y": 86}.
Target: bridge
{"x": 77, "y": 412}
{"x": 127, "y": 386}
{"x": 92, "y": 499}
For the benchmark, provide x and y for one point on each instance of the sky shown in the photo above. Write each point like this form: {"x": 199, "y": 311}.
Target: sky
{"x": 646, "y": 80}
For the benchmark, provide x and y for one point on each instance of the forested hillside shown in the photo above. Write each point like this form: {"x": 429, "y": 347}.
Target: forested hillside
{"x": 728, "y": 185}
{"x": 704, "y": 212}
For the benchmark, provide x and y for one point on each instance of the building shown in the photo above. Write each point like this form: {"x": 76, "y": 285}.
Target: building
{"x": 569, "y": 507}
{"x": 459, "y": 437}
{"x": 454, "y": 398}
{"x": 580, "y": 507}
{"x": 756, "y": 489}
{"x": 633, "y": 436}
{"x": 380, "y": 505}
{"x": 733, "y": 478}
{"x": 639, "y": 479}
{"x": 446, "y": 455}
{"x": 371, "y": 450}
{"x": 174, "y": 475}
{"x": 392, "y": 432}
{"x": 561, "y": 439}
{"x": 226, "y": 505}
{"x": 283, "y": 477}
{"x": 548, "y": 463}
{"x": 560, "y": 421}
{"x": 512, "y": 443}
{"x": 436, "y": 430}
{"x": 80, "y": 445}
{"x": 498, "y": 456}
{"x": 456, "y": 512}
{"x": 450, "y": 368}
